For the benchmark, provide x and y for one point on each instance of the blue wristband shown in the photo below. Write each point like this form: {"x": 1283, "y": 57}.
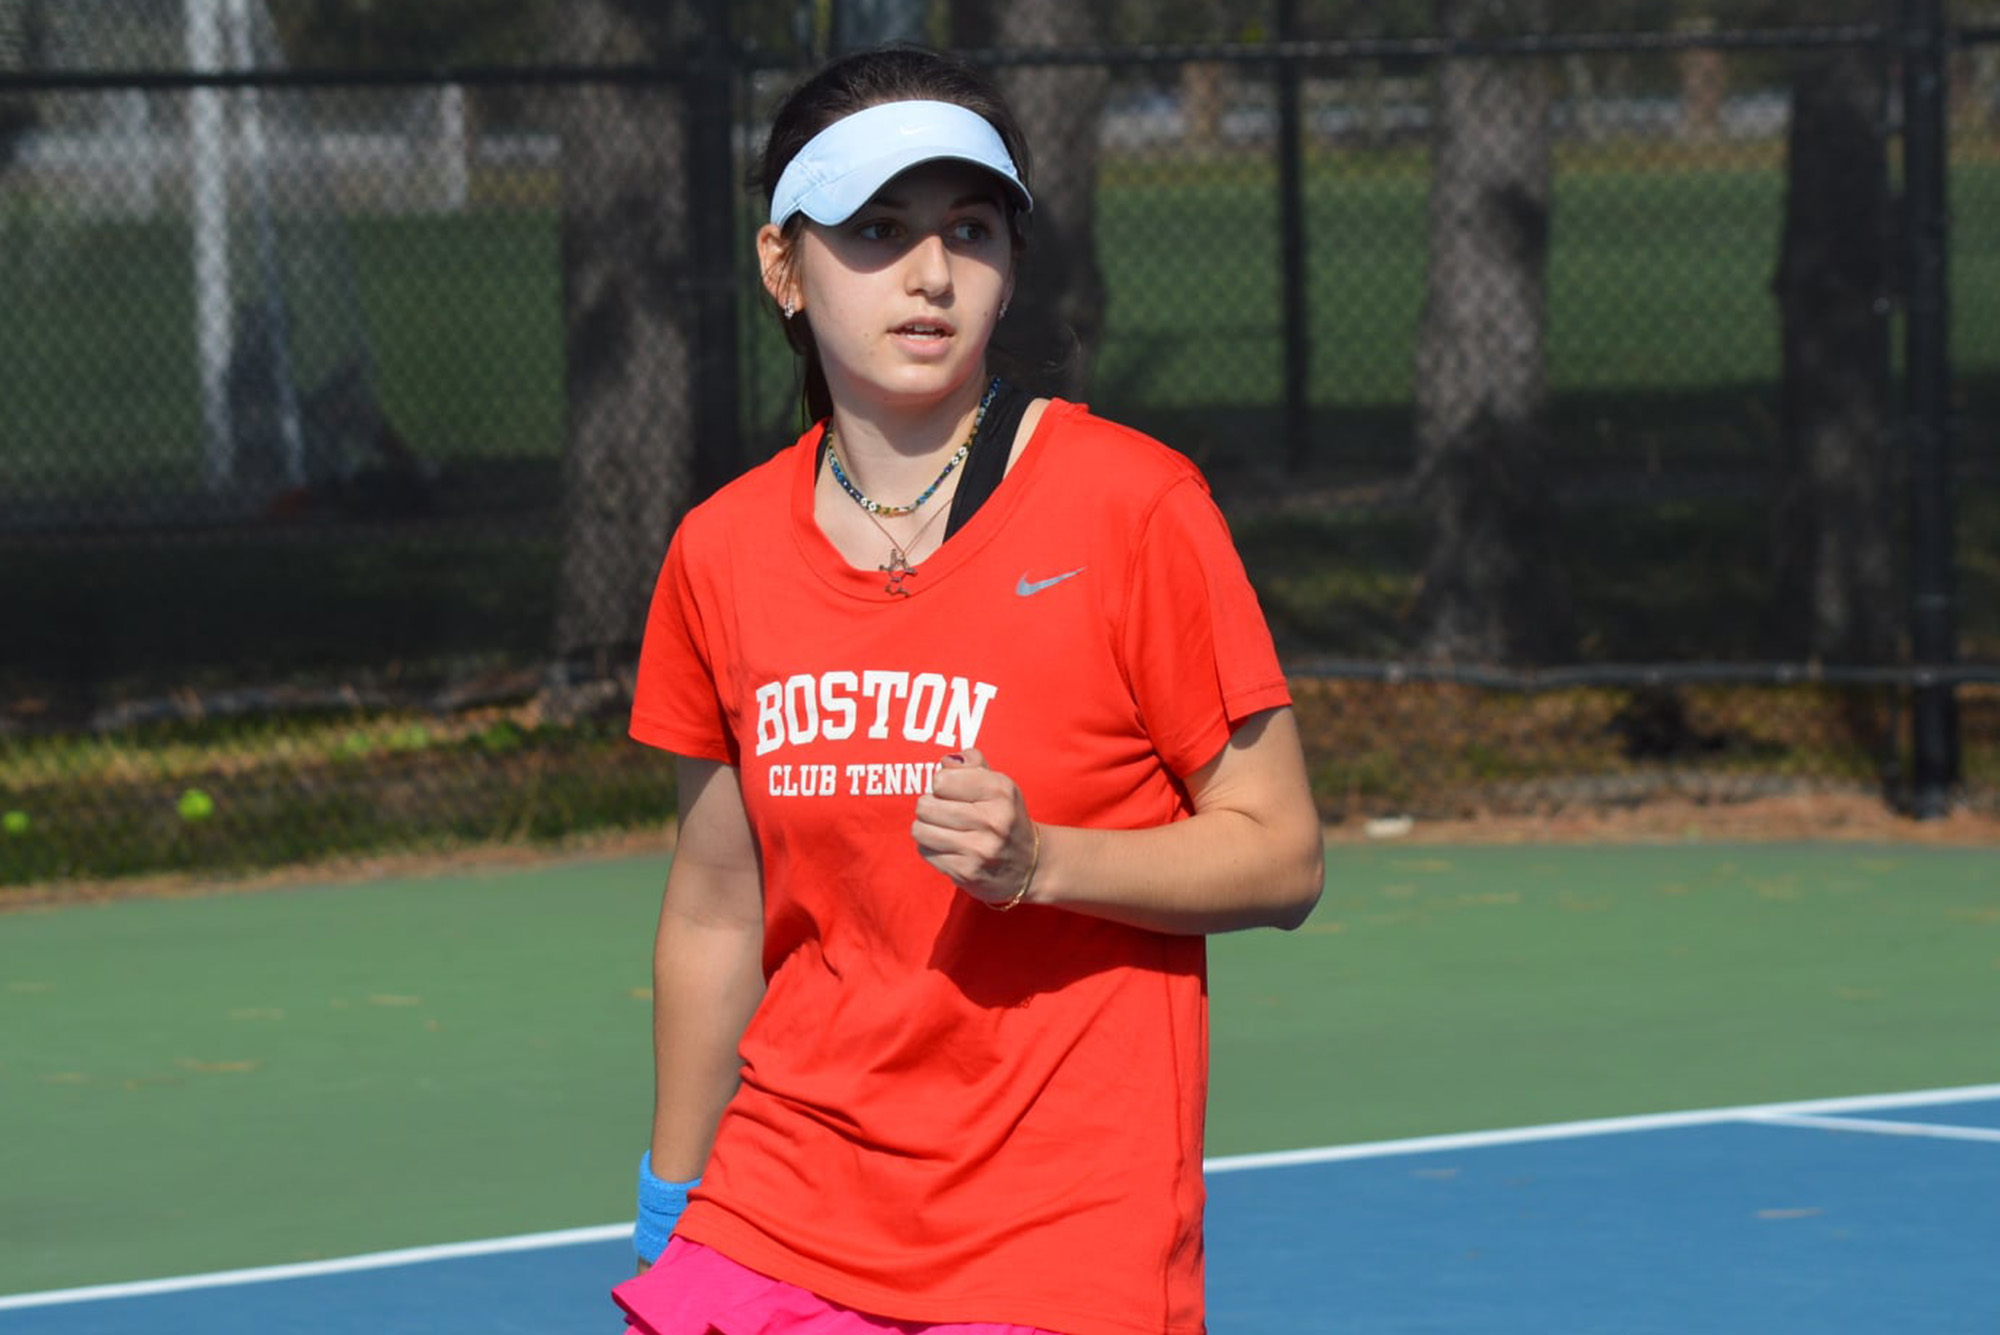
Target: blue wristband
{"x": 660, "y": 1206}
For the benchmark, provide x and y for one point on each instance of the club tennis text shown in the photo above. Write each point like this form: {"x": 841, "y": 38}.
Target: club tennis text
{"x": 903, "y": 779}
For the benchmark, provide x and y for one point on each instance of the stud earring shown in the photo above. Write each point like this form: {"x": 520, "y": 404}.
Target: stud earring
{"x": 1003, "y": 310}
{"x": 791, "y": 308}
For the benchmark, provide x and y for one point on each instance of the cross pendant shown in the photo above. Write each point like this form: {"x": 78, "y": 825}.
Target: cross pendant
{"x": 899, "y": 569}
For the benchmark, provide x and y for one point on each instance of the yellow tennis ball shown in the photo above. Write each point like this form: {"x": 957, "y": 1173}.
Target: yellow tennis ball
{"x": 15, "y": 822}
{"x": 196, "y": 805}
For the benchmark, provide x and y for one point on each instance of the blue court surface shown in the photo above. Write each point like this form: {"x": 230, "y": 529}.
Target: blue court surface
{"x": 1876, "y": 1215}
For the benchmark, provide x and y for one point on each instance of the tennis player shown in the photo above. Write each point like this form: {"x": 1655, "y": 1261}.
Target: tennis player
{"x": 980, "y": 730}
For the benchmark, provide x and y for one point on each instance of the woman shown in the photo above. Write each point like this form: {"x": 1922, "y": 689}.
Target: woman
{"x": 980, "y": 730}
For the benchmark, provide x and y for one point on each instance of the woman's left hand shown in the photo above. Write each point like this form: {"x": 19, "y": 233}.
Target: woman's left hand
{"x": 974, "y": 827}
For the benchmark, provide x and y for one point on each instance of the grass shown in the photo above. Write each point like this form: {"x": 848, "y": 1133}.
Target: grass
{"x": 262, "y": 605}
{"x": 467, "y": 323}
{"x": 1667, "y": 577}
{"x": 1659, "y": 281}
{"x": 1662, "y": 365}
{"x": 1450, "y": 751}
{"x": 285, "y": 790}
{"x": 282, "y": 791}
{"x": 1654, "y": 578}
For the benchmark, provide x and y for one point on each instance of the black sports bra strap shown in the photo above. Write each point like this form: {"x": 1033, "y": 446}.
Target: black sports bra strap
{"x": 987, "y": 462}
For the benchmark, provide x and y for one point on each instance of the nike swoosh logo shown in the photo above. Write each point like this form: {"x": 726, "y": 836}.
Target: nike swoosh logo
{"x": 1027, "y": 588}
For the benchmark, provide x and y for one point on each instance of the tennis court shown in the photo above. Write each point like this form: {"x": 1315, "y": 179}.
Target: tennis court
{"x": 1654, "y": 1088}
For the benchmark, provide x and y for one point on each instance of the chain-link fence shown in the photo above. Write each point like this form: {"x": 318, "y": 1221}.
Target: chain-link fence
{"x": 1562, "y": 390}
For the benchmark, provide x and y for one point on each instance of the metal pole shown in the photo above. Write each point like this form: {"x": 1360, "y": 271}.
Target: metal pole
{"x": 1293, "y": 273}
{"x": 277, "y": 316}
{"x": 713, "y": 223}
{"x": 208, "y": 170}
{"x": 1933, "y": 611}
{"x": 453, "y": 150}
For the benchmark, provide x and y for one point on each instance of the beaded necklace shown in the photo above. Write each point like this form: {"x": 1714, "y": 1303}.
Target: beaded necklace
{"x": 898, "y": 566}
{"x": 875, "y": 507}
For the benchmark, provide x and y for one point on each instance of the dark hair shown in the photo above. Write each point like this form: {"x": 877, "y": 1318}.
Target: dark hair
{"x": 853, "y": 83}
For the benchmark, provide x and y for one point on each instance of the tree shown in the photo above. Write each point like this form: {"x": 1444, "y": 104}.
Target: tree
{"x": 1057, "y": 318}
{"x": 21, "y": 33}
{"x": 629, "y": 368}
{"x": 1832, "y": 543}
{"x": 1206, "y": 86}
{"x": 1493, "y": 587}
{"x": 864, "y": 23}
{"x": 372, "y": 34}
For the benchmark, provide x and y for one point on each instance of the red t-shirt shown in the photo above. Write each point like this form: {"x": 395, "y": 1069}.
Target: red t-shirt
{"x": 947, "y": 1113}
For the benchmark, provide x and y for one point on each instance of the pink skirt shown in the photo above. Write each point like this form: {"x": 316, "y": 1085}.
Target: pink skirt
{"x": 695, "y": 1290}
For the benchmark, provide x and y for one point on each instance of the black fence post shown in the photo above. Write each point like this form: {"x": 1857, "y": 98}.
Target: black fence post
{"x": 712, "y": 227}
{"x": 1926, "y": 426}
{"x": 1293, "y": 275}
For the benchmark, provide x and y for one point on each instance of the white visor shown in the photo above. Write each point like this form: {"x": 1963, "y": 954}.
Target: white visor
{"x": 842, "y": 166}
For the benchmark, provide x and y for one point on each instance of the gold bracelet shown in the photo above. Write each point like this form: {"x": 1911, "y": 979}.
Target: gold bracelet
{"x": 1034, "y": 860}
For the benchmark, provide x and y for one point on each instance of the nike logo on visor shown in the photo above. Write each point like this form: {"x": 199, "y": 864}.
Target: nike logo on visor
{"x": 1027, "y": 588}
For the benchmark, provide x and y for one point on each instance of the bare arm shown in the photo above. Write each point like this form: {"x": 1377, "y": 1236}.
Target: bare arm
{"x": 1252, "y": 855}
{"x": 707, "y": 967}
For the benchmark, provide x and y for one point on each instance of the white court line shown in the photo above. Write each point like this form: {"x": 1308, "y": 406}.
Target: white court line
{"x": 1521, "y": 1135}
{"x": 1233, "y": 1163}
{"x": 1878, "y": 1127}
{"x": 526, "y": 1242}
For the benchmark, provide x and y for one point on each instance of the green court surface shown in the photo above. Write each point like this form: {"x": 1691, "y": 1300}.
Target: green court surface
{"x": 206, "y": 1083}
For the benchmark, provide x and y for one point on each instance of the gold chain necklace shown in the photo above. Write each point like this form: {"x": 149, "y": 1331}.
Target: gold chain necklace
{"x": 898, "y": 565}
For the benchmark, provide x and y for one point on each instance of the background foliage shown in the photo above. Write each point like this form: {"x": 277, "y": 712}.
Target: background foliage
{"x": 363, "y": 659}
